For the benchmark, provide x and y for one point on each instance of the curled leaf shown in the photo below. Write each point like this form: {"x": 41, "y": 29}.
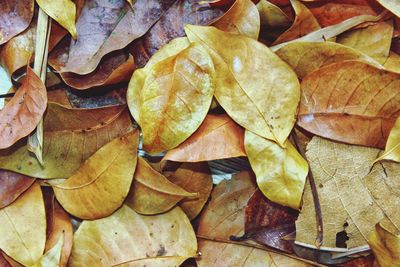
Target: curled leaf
{"x": 281, "y": 172}
{"x": 12, "y": 185}
{"x": 392, "y": 5}
{"x": 272, "y": 16}
{"x": 385, "y": 246}
{"x": 244, "y": 84}
{"x": 392, "y": 149}
{"x": 104, "y": 178}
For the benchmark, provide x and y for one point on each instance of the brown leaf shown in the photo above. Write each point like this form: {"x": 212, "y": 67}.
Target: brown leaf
{"x": 24, "y": 111}
{"x": 170, "y": 26}
{"x": 103, "y": 27}
{"x": 218, "y": 137}
{"x": 350, "y": 102}
{"x": 12, "y": 185}
{"x": 269, "y": 223}
{"x": 15, "y": 17}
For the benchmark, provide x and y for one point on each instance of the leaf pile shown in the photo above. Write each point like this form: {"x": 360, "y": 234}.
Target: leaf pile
{"x": 200, "y": 133}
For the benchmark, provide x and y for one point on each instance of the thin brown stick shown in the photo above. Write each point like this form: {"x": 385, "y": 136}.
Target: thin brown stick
{"x": 317, "y": 205}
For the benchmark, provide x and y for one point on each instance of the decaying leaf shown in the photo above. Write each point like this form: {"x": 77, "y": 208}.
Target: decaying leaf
{"x": 23, "y": 112}
{"x": 175, "y": 98}
{"x": 160, "y": 240}
{"x": 12, "y": 185}
{"x": 305, "y": 57}
{"x": 15, "y": 17}
{"x": 351, "y": 102}
{"x": 72, "y": 136}
{"x": 23, "y": 227}
{"x": 53, "y": 256}
{"x": 102, "y": 182}
{"x": 385, "y": 246}
{"x": 245, "y": 83}
{"x": 218, "y": 137}
{"x": 392, "y": 149}
{"x": 224, "y": 217}
{"x": 242, "y": 18}
{"x": 62, "y": 11}
{"x": 194, "y": 178}
{"x": 392, "y": 5}
{"x": 281, "y": 172}
{"x": 152, "y": 192}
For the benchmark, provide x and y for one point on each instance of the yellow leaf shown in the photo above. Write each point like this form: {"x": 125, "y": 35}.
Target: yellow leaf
{"x": 242, "y": 18}
{"x": 305, "y": 57}
{"x": 392, "y": 149}
{"x": 385, "y": 246}
{"x": 272, "y": 16}
{"x": 152, "y": 192}
{"x": 246, "y": 84}
{"x": 392, "y": 63}
{"x": 129, "y": 239}
{"x": 23, "y": 227}
{"x": 281, "y": 172}
{"x": 102, "y": 182}
{"x": 392, "y": 5}
{"x": 53, "y": 256}
{"x": 62, "y": 11}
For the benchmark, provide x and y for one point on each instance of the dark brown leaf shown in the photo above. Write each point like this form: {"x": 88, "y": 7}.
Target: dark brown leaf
{"x": 12, "y": 185}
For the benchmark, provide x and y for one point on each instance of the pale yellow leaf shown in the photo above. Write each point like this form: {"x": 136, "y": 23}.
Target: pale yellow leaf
{"x": 392, "y": 149}
{"x": 392, "y": 5}
{"x": 53, "y": 256}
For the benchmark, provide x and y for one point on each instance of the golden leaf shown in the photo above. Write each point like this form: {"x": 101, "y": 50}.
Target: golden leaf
{"x": 152, "y": 192}
{"x": 272, "y": 16}
{"x": 53, "y": 256}
{"x": 102, "y": 182}
{"x": 241, "y": 18}
{"x": 385, "y": 246}
{"x": 392, "y": 149}
{"x": 392, "y": 62}
{"x": 281, "y": 172}
{"x": 127, "y": 238}
{"x": 23, "y": 227}
{"x": 246, "y": 82}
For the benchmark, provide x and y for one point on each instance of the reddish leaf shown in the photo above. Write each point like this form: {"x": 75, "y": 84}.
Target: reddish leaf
{"x": 361, "y": 262}
{"x": 12, "y": 185}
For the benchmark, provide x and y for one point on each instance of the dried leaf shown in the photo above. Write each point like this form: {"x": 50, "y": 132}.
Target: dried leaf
{"x": 97, "y": 38}
{"x": 392, "y": 149}
{"x": 194, "y": 178}
{"x": 62, "y": 11}
{"x": 305, "y": 57}
{"x": 218, "y": 137}
{"x": 391, "y": 5}
{"x": 152, "y": 192}
{"x": 281, "y": 172}
{"x": 23, "y": 112}
{"x": 350, "y": 102}
{"x": 242, "y": 18}
{"x": 385, "y": 245}
{"x": 269, "y": 223}
{"x": 161, "y": 240}
{"x": 179, "y": 87}
{"x": 15, "y": 17}
{"x": 392, "y": 63}
{"x": 23, "y": 227}
{"x": 53, "y": 256}
{"x": 245, "y": 84}
{"x": 12, "y": 185}
{"x": 72, "y": 136}
{"x": 224, "y": 217}
{"x": 303, "y": 24}
{"x": 272, "y": 16}
{"x": 373, "y": 40}
{"x": 102, "y": 181}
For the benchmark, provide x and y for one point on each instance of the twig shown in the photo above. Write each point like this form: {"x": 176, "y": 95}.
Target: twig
{"x": 317, "y": 204}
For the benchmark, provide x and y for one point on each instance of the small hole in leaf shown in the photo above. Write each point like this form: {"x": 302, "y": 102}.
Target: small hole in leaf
{"x": 341, "y": 239}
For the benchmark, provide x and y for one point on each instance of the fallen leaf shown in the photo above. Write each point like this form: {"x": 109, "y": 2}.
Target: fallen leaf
{"x": 269, "y": 223}
{"x": 392, "y": 62}
{"x": 194, "y": 178}
{"x": 15, "y": 17}
{"x": 12, "y": 185}
{"x": 374, "y": 40}
{"x": 303, "y": 24}
{"x": 306, "y": 57}
{"x": 97, "y": 38}
{"x": 245, "y": 84}
{"x": 4, "y": 262}
{"x": 392, "y": 149}
{"x": 175, "y": 98}
{"x": 23, "y": 112}
{"x": 102, "y": 182}
{"x": 241, "y": 18}
{"x": 224, "y": 217}
{"x": 391, "y": 5}
{"x": 23, "y": 227}
{"x": 62, "y": 11}
{"x": 170, "y": 26}
{"x": 281, "y": 172}
{"x": 60, "y": 97}
{"x": 72, "y": 136}
{"x": 152, "y": 192}
{"x": 161, "y": 240}
{"x": 53, "y": 256}
{"x": 272, "y": 16}
{"x": 351, "y": 102}
{"x": 10, "y": 261}
{"x": 385, "y": 246}
{"x": 218, "y": 137}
